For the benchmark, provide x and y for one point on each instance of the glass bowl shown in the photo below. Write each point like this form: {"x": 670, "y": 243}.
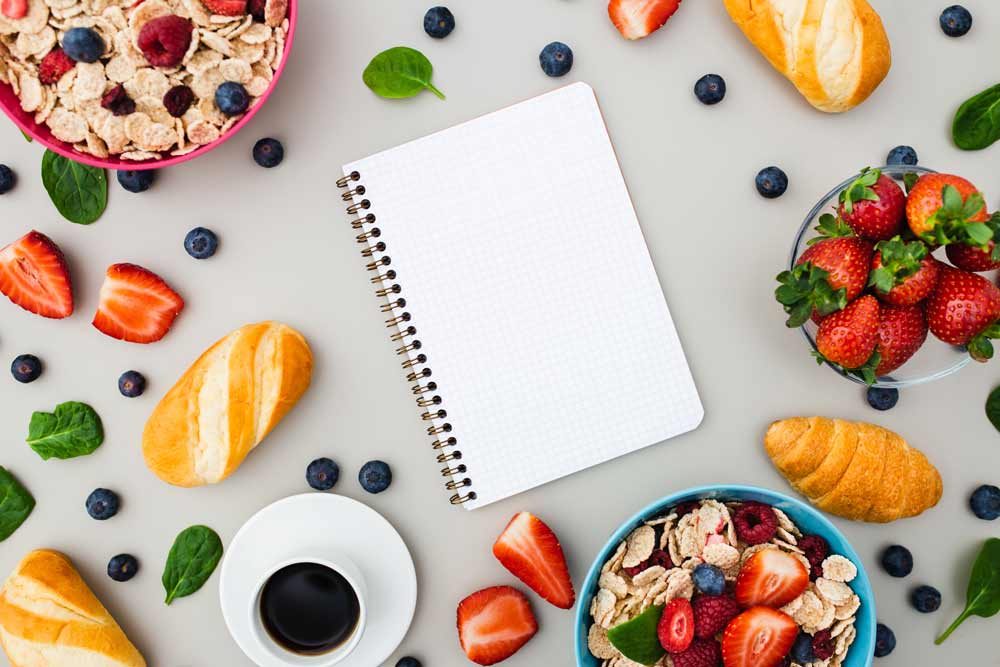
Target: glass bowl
{"x": 935, "y": 359}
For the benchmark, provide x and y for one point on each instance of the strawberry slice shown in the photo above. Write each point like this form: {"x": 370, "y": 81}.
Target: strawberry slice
{"x": 34, "y": 276}
{"x": 494, "y": 623}
{"x": 136, "y": 305}
{"x": 759, "y": 637}
{"x": 771, "y": 578}
{"x": 227, "y": 7}
{"x": 14, "y": 9}
{"x": 636, "y": 19}
{"x": 676, "y": 627}
{"x": 531, "y": 551}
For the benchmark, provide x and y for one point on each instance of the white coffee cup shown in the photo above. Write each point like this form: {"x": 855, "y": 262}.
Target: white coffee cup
{"x": 336, "y": 562}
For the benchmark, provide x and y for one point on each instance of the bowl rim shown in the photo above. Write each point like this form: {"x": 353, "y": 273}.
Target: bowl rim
{"x": 861, "y": 583}
{"x": 117, "y": 164}
{"x": 896, "y": 172}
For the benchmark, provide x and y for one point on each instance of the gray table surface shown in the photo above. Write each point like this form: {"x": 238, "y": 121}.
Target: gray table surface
{"x": 288, "y": 254}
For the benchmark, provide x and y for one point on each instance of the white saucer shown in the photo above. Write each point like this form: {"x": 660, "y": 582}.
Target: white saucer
{"x": 306, "y": 524}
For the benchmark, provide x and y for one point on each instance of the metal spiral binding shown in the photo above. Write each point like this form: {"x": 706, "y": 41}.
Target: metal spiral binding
{"x": 417, "y": 372}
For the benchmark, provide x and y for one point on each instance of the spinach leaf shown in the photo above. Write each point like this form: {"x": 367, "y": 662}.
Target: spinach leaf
{"x": 80, "y": 192}
{"x": 993, "y": 408}
{"x": 193, "y": 557}
{"x": 983, "y": 596}
{"x": 400, "y": 72}
{"x": 15, "y": 504}
{"x": 74, "y": 429}
{"x": 977, "y": 122}
{"x": 637, "y": 639}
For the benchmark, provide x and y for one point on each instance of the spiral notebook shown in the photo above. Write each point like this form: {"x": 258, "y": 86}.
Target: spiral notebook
{"x": 519, "y": 290}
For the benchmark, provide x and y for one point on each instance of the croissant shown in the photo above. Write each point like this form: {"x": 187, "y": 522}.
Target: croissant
{"x": 858, "y": 471}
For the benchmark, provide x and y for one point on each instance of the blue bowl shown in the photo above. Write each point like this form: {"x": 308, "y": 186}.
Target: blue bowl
{"x": 805, "y": 517}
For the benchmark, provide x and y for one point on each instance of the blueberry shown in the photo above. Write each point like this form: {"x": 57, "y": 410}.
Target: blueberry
{"x": 902, "y": 155}
{"x": 375, "y": 476}
{"x": 26, "y": 368}
{"x": 123, "y": 567}
{"x": 102, "y": 504}
{"x": 6, "y": 179}
{"x": 131, "y": 384}
{"x": 136, "y": 181}
{"x": 925, "y": 599}
{"x": 985, "y": 502}
{"x": 709, "y": 579}
{"x": 556, "y": 59}
{"x": 771, "y": 182}
{"x": 439, "y": 22}
{"x": 881, "y": 398}
{"x": 408, "y": 662}
{"x": 268, "y": 153}
{"x": 710, "y": 89}
{"x": 322, "y": 474}
{"x": 232, "y": 98}
{"x": 83, "y": 45}
{"x": 956, "y": 21}
{"x": 201, "y": 243}
{"x": 897, "y": 561}
{"x": 885, "y": 640}
{"x": 802, "y": 649}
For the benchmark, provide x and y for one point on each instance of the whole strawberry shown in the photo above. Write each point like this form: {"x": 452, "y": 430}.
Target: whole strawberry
{"x": 873, "y": 205}
{"x": 963, "y": 310}
{"x": 971, "y": 258}
{"x": 902, "y": 330}
{"x": 943, "y": 209}
{"x": 826, "y": 277}
{"x": 903, "y": 273}
{"x": 848, "y": 337}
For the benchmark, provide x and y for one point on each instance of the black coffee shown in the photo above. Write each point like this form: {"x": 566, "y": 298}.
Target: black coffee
{"x": 309, "y": 608}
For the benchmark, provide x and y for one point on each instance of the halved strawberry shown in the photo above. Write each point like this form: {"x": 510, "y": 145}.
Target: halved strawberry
{"x": 759, "y": 637}
{"x": 34, "y": 276}
{"x": 494, "y": 623}
{"x": 675, "y": 629}
{"x": 771, "y": 578}
{"x": 14, "y": 9}
{"x": 136, "y": 305}
{"x": 227, "y": 7}
{"x": 636, "y": 19}
{"x": 531, "y": 551}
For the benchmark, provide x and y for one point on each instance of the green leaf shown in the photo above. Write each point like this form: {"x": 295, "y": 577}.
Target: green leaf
{"x": 400, "y": 72}
{"x": 26, "y": 137}
{"x": 637, "y": 639}
{"x": 806, "y": 288}
{"x": 193, "y": 557}
{"x": 831, "y": 226}
{"x": 15, "y": 504}
{"x": 909, "y": 180}
{"x": 860, "y": 189}
{"x": 74, "y": 429}
{"x": 993, "y": 408}
{"x": 982, "y": 598}
{"x": 979, "y": 233}
{"x": 952, "y": 199}
{"x": 977, "y": 121}
{"x": 79, "y": 192}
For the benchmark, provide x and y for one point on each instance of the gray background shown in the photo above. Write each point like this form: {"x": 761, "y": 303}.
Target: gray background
{"x": 288, "y": 254}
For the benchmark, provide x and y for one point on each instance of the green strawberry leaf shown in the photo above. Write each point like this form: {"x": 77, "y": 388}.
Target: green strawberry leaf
{"x": 952, "y": 223}
{"x": 909, "y": 180}
{"x": 900, "y": 260}
{"x": 804, "y": 289}
{"x": 829, "y": 227}
{"x": 860, "y": 189}
{"x": 637, "y": 639}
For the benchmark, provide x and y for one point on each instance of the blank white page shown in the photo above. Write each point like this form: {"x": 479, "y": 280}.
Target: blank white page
{"x": 524, "y": 269}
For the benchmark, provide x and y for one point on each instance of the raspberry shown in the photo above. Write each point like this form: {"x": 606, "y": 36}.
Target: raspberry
{"x": 638, "y": 569}
{"x": 661, "y": 558}
{"x": 755, "y": 523}
{"x": 178, "y": 100}
{"x": 165, "y": 40}
{"x": 54, "y": 65}
{"x": 712, "y": 614}
{"x": 816, "y": 549}
{"x": 823, "y": 645}
{"x": 256, "y": 9}
{"x": 701, "y": 653}
{"x": 118, "y": 102}
{"x": 687, "y": 508}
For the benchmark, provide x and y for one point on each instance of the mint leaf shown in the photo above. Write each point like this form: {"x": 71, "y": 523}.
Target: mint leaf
{"x": 74, "y": 429}
{"x": 637, "y": 639}
{"x": 400, "y": 72}
{"x": 79, "y": 192}
{"x": 193, "y": 557}
{"x": 977, "y": 121}
{"x": 15, "y": 504}
{"x": 982, "y": 597}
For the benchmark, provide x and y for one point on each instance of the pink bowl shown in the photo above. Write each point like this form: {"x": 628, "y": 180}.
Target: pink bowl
{"x": 11, "y": 105}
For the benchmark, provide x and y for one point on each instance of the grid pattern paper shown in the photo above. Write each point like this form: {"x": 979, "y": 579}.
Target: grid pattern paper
{"x": 532, "y": 291}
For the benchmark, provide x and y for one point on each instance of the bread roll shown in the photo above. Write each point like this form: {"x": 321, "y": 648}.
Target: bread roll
{"x": 50, "y": 618}
{"x": 858, "y": 471}
{"x": 836, "y": 52}
{"x": 226, "y": 403}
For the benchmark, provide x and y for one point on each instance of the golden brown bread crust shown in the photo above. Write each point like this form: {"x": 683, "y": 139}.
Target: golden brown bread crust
{"x": 796, "y": 44}
{"x": 50, "y": 618}
{"x": 858, "y": 471}
{"x": 226, "y": 403}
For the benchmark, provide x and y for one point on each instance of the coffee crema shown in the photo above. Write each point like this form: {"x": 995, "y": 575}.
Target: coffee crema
{"x": 309, "y": 608}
